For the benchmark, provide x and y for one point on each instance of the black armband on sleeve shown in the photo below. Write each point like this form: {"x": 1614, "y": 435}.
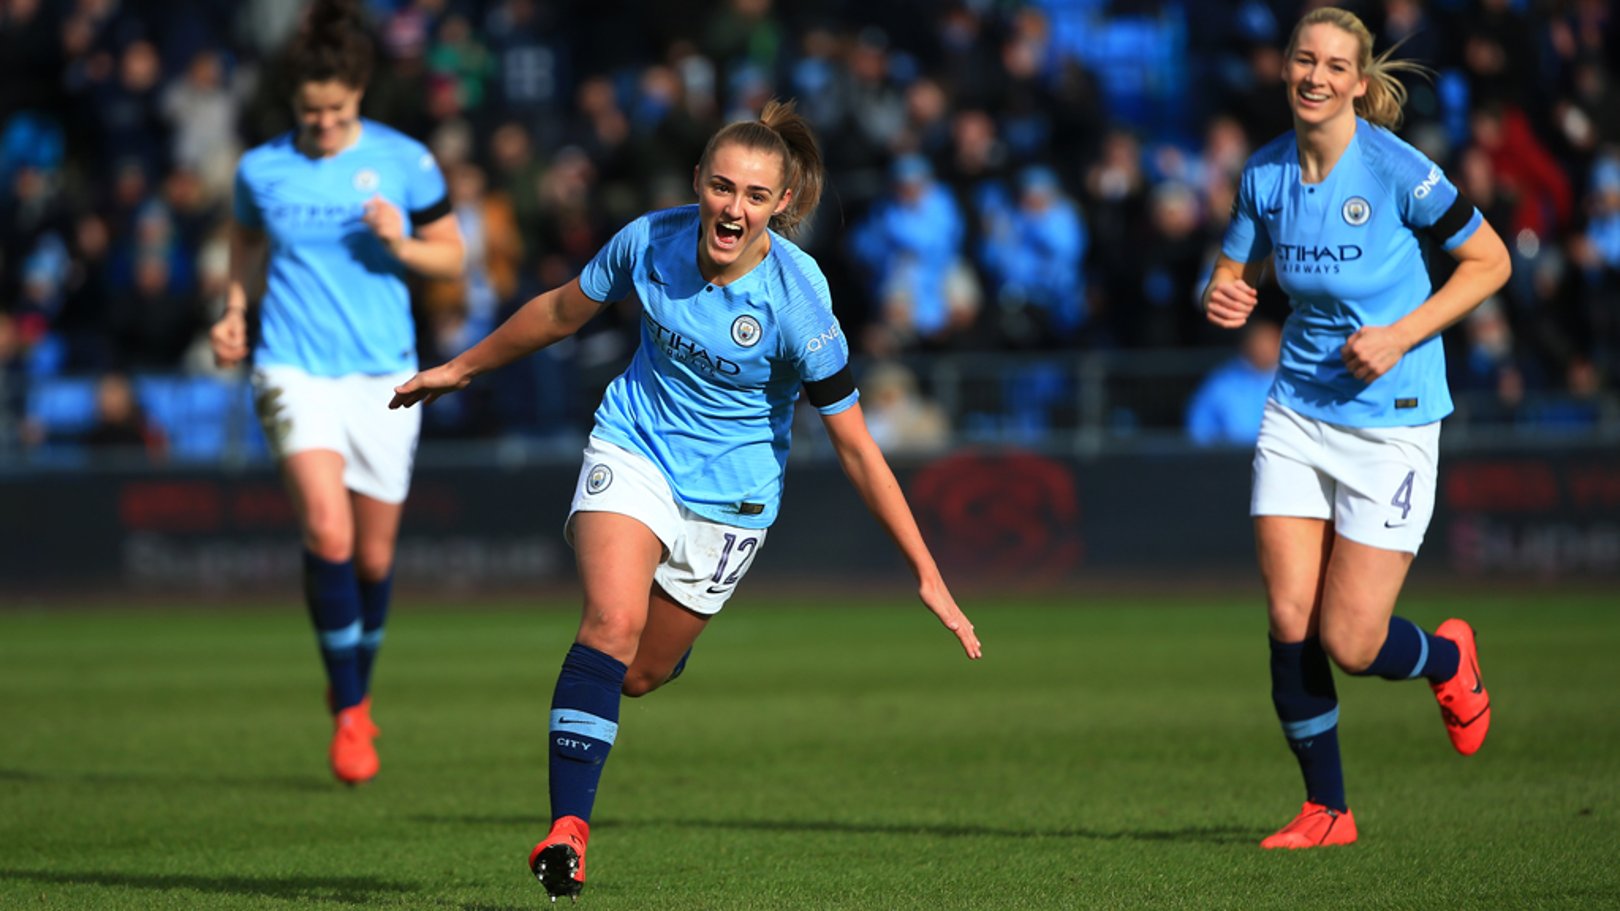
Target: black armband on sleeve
{"x": 432, "y": 213}
{"x": 1455, "y": 219}
{"x": 825, "y": 392}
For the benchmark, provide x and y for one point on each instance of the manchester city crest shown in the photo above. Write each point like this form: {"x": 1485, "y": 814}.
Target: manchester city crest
{"x": 598, "y": 479}
{"x": 745, "y": 331}
{"x": 366, "y": 180}
{"x": 1357, "y": 211}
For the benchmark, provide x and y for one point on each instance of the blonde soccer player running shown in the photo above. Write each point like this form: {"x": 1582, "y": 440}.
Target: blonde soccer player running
{"x": 1345, "y": 466}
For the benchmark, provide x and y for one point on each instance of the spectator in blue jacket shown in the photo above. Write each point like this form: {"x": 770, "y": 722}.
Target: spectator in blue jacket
{"x": 1226, "y": 408}
{"x": 1031, "y": 254}
{"x": 909, "y": 246}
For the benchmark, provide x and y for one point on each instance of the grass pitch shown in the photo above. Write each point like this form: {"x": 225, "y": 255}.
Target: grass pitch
{"x": 1107, "y": 753}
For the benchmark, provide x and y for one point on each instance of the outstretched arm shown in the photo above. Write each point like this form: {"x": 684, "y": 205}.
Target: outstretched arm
{"x": 869, "y": 472}
{"x": 545, "y": 319}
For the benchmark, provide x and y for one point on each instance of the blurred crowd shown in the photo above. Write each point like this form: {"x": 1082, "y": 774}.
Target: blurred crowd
{"x": 1045, "y": 175}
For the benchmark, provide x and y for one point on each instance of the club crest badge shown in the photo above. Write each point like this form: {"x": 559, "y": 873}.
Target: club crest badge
{"x": 745, "y": 331}
{"x": 598, "y": 479}
{"x": 1357, "y": 211}
{"x": 366, "y": 180}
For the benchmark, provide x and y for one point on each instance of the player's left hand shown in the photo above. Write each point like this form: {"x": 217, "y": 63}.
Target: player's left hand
{"x": 938, "y": 599}
{"x": 384, "y": 220}
{"x": 428, "y": 385}
{"x": 1373, "y": 351}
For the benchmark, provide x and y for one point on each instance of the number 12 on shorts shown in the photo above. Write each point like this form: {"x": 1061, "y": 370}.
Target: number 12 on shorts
{"x": 744, "y": 548}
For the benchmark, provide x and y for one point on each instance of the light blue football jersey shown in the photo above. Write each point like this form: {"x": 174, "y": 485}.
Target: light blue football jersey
{"x": 709, "y": 394}
{"x": 1346, "y": 252}
{"x": 335, "y": 299}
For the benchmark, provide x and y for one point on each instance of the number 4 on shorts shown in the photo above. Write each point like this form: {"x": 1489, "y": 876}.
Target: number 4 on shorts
{"x": 1403, "y": 495}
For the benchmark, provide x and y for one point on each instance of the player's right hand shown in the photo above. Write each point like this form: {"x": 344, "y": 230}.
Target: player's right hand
{"x": 429, "y": 385}
{"x": 937, "y": 598}
{"x": 228, "y": 338}
{"x": 1230, "y": 304}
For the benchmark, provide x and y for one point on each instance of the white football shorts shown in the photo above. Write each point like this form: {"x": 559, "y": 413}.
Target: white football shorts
{"x": 346, "y": 414}
{"x": 703, "y": 560}
{"x": 1375, "y": 484}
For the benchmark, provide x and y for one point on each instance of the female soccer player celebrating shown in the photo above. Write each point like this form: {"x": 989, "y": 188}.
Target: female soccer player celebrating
{"x": 1344, "y": 470}
{"x": 683, "y": 471}
{"x": 345, "y": 206}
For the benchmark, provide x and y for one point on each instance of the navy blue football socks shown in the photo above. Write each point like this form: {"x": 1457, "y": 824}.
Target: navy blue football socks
{"x": 333, "y": 595}
{"x": 1308, "y": 707}
{"x": 1409, "y": 651}
{"x": 373, "y": 614}
{"x": 680, "y": 666}
{"x": 584, "y": 724}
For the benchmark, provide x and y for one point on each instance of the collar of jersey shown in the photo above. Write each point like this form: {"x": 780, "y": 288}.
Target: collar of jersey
{"x": 680, "y": 258}
{"x": 1354, "y": 148}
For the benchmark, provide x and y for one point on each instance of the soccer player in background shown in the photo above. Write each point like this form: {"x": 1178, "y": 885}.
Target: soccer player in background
{"x": 343, "y": 206}
{"x": 1344, "y": 470}
{"x": 683, "y": 471}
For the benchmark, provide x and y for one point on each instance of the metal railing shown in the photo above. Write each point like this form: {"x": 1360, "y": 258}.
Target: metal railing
{"x": 1078, "y": 404}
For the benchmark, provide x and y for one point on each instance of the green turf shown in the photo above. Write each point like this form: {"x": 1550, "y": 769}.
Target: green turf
{"x": 1116, "y": 754}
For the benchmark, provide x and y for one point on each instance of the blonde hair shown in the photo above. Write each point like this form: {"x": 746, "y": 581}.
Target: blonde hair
{"x": 1385, "y": 96}
{"x": 785, "y": 131}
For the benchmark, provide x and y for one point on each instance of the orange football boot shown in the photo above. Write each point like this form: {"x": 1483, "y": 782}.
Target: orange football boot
{"x": 1316, "y": 826}
{"x": 1464, "y": 705}
{"x": 559, "y": 860}
{"x": 354, "y": 758}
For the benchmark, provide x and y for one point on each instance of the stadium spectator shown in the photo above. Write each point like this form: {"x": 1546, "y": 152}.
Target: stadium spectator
{"x": 155, "y": 320}
{"x": 1526, "y": 171}
{"x": 1345, "y": 466}
{"x": 13, "y": 385}
{"x": 902, "y": 420}
{"x": 1116, "y": 193}
{"x": 343, "y": 207}
{"x": 522, "y": 36}
{"x": 1170, "y": 264}
{"x": 182, "y": 84}
{"x": 1226, "y": 408}
{"x": 1597, "y": 253}
{"x": 909, "y": 245}
{"x": 683, "y": 472}
{"x": 1492, "y": 366}
{"x": 1034, "y": 244}
{"x": 120, "y": 424}
{"x": 201, "y": 109}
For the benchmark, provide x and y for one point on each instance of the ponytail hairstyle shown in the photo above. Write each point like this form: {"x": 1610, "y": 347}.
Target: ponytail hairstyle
{"x": 1385, "y": 97}
{"x": 782, "y": 130}
{"x": 331, "y": 45}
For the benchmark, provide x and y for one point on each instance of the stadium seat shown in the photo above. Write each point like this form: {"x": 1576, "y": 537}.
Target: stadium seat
{"x": 195, "y": 412}
{"x": 63, "y": 405}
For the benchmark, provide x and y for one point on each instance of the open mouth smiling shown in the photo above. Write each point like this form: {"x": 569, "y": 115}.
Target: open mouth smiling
{"x": 727, "y": 233}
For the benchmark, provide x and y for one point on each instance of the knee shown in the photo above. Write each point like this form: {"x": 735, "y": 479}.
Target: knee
{"x": 373, "y": 564}
{"x": 328, "y": 533}
{"x": 1290, "y": 618}
{"x": 639, "y": 683}
{"x": 1352, "y": 650}
{"x": 615, "y": 633}
{"x": 329, "y": 541}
